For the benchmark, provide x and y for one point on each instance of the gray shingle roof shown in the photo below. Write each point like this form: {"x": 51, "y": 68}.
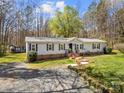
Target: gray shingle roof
{"x": 47, "y": 39}
{"x": 91, "y": 40}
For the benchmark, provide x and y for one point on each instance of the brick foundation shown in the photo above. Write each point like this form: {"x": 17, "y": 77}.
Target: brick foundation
{"x": 56, "y": 56}
{"x": 50, "y": 56}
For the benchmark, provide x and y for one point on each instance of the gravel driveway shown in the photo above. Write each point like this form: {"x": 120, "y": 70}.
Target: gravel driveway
{"x": 19, "y": 79}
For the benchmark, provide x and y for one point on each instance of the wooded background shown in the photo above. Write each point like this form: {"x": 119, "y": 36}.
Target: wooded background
{"x": 103, "y": 20}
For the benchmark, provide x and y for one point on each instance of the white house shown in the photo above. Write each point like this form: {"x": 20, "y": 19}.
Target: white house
{"x": 59, "y": 47}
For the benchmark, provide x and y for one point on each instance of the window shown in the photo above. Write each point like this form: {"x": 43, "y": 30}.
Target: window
{"x": 61, "y": 46}
{"x": 77, "y": 46}
{"x": 50, "y": 47}
{"x": 98, "y": 46}
{"x": 33, "y": 47}
{"x": 81, "y": 46}
{"x": 94, "y": 46}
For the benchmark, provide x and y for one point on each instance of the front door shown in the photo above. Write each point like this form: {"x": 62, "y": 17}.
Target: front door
{"x": 71, "y": 46}
{"x": 74, "y": 47}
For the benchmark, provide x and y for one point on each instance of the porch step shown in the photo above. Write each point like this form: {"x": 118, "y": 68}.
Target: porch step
{"x": 73, "y": 55}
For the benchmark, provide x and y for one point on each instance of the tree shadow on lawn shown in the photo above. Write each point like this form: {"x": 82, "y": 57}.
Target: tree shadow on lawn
{"x": 66, "y": 80}
{"x": 46, "y": 60}
{"x": 94, "y": 55}
{"x": 9, "y": 70}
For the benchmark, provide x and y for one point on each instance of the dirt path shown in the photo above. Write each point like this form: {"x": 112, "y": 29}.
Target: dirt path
{"x": 17, "y": 79}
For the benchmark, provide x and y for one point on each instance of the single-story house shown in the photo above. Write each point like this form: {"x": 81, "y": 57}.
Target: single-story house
{"x": 59, "y": 47}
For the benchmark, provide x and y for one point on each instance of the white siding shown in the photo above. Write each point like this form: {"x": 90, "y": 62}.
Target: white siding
{"x": 88, "y": 47}
{"x": 27, "y": 46}
{"x": 42, "y": 49}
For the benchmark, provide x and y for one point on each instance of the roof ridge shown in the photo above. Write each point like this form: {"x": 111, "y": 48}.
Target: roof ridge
{"x": 58, "y": 39}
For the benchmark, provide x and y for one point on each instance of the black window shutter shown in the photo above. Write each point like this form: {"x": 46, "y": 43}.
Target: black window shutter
{"x": 53, "y": 47}
{"x": 59, "y": 46}
{"x": 36, "y": 47}
{"x": 29, "y": 46}
{"x": 47, "y": 47}
{"x": 64, "y": 46}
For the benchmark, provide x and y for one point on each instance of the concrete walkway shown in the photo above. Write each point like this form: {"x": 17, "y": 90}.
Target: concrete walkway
{"x": 18, "y": 79}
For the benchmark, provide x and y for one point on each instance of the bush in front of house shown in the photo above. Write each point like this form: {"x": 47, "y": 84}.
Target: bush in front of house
{"x": 120, "y": 47}
{"x": 32, "y": 56}
{"x": 69, "y": 50}
{"x": 107, "y": 50}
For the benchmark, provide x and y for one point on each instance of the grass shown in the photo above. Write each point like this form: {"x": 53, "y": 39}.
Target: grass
{"x": 13, "y": 57}
{"x": 105, "y": 64}
{"x": 107, "y": 67}
{"x": 21, "y": 57}
{"x": 50, "y": 63}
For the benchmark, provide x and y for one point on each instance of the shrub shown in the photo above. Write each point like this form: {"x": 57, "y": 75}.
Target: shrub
{"x": 3, "y": 50}
{"x": 32, "y": 56}
{"x": 69, "y": 50}
{"x": 107, "y": 50}
{"x": 120, "y": 47}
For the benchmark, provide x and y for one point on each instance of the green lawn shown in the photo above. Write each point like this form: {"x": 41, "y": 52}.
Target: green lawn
{"x": 21, "y": 57}
{"x": 107, "y": 67}
{"x": 106, "y": 64}
{"x": 50, "y": 64}
{"x": 14, "y": 57}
